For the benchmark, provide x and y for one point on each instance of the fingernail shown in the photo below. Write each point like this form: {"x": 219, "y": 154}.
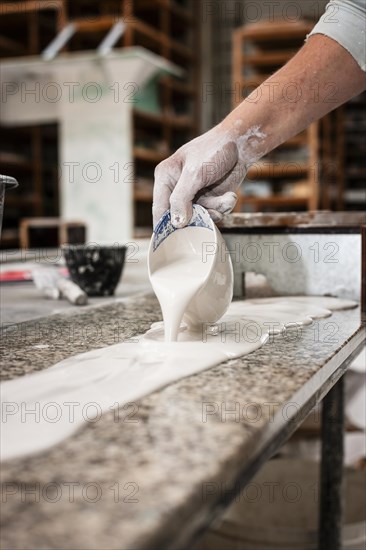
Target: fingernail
{"x": 178, "y": 220}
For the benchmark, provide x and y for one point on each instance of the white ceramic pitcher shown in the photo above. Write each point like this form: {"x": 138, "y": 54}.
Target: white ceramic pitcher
{"x": 201, "y": 237}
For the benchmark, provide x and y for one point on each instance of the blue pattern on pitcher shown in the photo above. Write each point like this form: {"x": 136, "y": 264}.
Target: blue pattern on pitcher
{"x": 164, "y": 227}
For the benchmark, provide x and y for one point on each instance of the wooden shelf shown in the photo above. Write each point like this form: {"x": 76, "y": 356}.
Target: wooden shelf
{"x": 182, "y": 88}
{"x": 180, "y": 11}
{"x": 10, "y": 8}
{"x": 148, "y": 31}
{"x": 275, "y": 31}
{"x": 258, "y": 51}
{"x": 143, "y": 190}
{"x": 9, "y": 238}
{"x": 356, "y": 172}
{"x": 274, "y": 201}
{"x": 161, "y": 38}
{"x": 301, "y": 139}
{"x": 24, "y": 201}
{"x": 175, "y": 121}
{"x": 182, "y": 50}
{"x": 179, "y": 121}
{"x": 26, "y": 152}
{"x": 149, "y": 155}
{"x": 270, "y": 58}
{"x": 173, "y": 7}
{"x": 142, "y": 196}
{"x": 10, "y": 160}
{"x": 147, "y": 117}
{"x": 12, "y": 46}
{"x": 288, "y": 169}
{"x": 166, "y": 27}
{"x": 105, "y": 23}
{"x": 98, "y": 25}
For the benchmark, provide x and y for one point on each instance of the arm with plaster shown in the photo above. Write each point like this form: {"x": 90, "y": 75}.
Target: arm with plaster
{"x": 326, "y": 72}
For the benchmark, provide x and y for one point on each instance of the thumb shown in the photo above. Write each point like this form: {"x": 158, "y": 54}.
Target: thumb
{"x": 222, "y": 204}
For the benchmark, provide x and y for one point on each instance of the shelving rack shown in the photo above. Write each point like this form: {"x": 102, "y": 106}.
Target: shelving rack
{"x": 29, "y": 153}
{"x": 332, "y": 160}
{"x": 169, "y": 28}
{"x": 289, "y": 175}
{"x": 354, "y": 116}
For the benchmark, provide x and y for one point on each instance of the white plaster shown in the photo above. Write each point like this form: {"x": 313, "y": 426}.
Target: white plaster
{"x": 77, "y": 390}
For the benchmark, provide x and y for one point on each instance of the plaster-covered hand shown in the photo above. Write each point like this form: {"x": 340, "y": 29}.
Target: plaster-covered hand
{"x": 206, "y": 170}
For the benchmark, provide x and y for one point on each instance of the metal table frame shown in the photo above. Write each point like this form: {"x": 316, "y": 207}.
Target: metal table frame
{"x": 331, "y": 393}
{"x": 331, "y": 469}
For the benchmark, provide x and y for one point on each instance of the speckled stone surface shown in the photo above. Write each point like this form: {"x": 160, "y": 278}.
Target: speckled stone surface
{"x": 293, "y": 219}
{"x": 141, "y": 475}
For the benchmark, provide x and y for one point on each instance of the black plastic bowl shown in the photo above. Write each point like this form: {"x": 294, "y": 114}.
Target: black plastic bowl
{"x": 6, "y": 182}
{"x": 97, "y": 269}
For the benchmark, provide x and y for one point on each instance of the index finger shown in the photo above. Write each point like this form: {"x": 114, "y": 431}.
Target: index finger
{"x": 167, "y": 173}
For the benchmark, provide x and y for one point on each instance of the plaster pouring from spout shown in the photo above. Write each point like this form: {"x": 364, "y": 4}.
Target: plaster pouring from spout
{"x": 191, "y": 272}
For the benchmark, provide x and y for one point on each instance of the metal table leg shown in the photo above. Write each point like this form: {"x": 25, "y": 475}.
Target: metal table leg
{"x": 331, "y": 472}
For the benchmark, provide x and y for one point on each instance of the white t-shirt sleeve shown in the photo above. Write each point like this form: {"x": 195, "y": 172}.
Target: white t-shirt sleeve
{"x": 345, "y": 22}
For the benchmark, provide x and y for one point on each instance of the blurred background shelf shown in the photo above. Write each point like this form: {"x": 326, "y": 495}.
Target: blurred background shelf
{"x": 354, "y": 157}
{"x": 325, "y": 165}
{"x": 259, "y": 49}
{"x": 166, "y": 27}
{"x": 275, "y": 201}
{"x": 148, "y": 155}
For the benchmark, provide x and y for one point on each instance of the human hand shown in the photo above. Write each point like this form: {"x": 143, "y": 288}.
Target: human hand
{"x": 206, "y": 170}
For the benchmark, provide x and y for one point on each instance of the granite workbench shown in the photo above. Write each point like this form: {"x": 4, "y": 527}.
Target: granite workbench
{"x": 152, "y": 474}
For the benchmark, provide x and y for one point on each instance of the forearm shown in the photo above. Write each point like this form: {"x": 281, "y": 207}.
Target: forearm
{"x": 326, "y": 72}
{"x": 319, "y": 78}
